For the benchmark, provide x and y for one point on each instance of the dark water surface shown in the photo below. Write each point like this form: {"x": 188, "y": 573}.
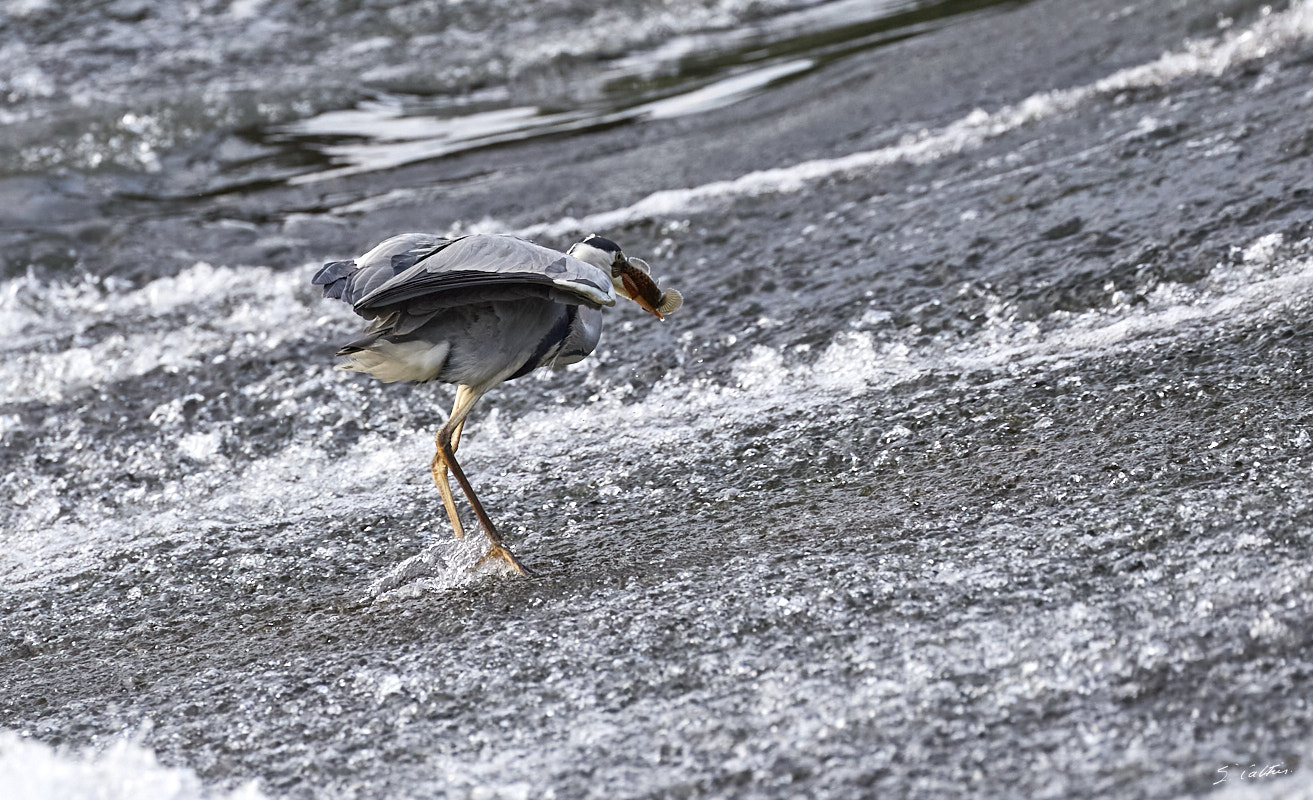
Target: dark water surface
{"x": 134, "y": 127}
{"x": 976, "y": 465}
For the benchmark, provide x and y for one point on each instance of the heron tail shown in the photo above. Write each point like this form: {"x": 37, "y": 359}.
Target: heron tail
{"x": 335, "y": 277}
{"x": 391, "y": 361}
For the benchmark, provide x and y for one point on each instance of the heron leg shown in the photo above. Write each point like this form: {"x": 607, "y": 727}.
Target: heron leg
{"x": 439, "y": 467}
{"x": 439, "y": 470}
{"x": 445, "y": 459}
{"x": 455, "y": 436}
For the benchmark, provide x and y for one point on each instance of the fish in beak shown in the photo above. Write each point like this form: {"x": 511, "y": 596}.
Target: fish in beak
{"x": 635, "y": 277}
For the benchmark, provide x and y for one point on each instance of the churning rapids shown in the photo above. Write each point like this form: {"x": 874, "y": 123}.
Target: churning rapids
{"x": 979, "y": 462}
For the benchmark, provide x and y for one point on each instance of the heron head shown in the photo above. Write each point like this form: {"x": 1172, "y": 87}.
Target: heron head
{"x": 631, "y": 277}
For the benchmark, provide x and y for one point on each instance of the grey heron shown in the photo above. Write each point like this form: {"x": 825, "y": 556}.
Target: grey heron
{"x": 476, "y": 311}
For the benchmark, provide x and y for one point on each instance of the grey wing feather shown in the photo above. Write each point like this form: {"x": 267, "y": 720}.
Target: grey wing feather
{"x": 349, "y": 281}
{"x": 487, "y": 267}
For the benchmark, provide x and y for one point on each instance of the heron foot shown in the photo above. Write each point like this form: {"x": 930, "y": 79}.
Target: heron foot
{"x": 500, "y": 553}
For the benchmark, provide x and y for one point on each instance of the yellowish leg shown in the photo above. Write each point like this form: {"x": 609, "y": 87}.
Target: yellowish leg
{"x": 439, "y": 470}
{"x": 445, "y": 459}
{"x": 455, "y": 436}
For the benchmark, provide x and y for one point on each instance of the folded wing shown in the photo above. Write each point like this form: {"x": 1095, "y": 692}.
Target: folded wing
{"x": 419, "y": 274}
{"x": 349, "y": 281}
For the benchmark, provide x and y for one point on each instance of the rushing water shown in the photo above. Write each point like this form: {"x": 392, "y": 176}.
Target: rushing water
{"x": 976, "y": 464}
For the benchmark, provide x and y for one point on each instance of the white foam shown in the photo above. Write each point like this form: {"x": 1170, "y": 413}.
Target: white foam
{"x": 1264, "y": 250}
{"x": 122, "y": 770}
{"x": 245, "y": 9}
{"x": 685, "y": 417}
{"x": 28, "y": 8}
{"x": 244, "y": 309}
{"x": 448, "y": 563}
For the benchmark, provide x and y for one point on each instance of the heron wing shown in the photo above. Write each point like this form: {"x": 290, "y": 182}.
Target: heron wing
{"x": 350, "y": 281}
{"x": 487, "y": 267}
